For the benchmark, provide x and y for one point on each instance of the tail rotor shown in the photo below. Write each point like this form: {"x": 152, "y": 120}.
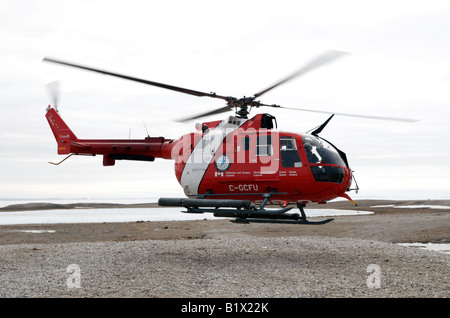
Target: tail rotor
{"x": 53, "y": 89}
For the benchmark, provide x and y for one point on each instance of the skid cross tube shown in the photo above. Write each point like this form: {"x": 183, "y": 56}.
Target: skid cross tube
{"x": 242, "y": 210}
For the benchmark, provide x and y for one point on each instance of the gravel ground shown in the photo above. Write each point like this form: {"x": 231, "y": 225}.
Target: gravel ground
{"x": 241, "y": 267}
{"x": 352, "y": 256}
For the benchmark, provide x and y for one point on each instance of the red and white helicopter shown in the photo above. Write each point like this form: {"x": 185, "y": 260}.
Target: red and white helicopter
{"x": 236, "y": 166}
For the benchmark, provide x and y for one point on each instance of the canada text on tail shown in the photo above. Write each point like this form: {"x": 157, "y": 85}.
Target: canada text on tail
{"x": 63, "y": 134}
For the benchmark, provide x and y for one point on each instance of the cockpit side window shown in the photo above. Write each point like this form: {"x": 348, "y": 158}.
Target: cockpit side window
{"x": 289, "y": 153}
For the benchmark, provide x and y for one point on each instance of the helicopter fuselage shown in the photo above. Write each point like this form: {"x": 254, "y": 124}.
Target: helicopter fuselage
{"x": 235, "y": 158}
{"x": 244, "y": 158}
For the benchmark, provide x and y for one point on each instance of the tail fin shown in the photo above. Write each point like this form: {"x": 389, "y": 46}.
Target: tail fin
{"x": 63, "y": 134}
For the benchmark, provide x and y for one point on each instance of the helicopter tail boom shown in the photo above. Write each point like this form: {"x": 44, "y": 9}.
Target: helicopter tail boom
{"x": 146, "y": 149}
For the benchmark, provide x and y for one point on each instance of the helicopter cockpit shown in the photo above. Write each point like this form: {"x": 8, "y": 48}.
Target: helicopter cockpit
{"x": 326, "y": 162}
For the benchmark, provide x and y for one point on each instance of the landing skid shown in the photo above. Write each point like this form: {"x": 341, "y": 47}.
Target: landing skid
{"x": 243, "y": 209}
{"x": 300, "y": 206}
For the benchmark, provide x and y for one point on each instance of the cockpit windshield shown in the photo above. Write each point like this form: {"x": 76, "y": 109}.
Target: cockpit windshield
{"x": 319, "y": 151}
{"x": 326, "y": 162}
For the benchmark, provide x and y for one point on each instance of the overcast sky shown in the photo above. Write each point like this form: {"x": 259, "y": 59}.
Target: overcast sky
{"x": 399, "y": 65}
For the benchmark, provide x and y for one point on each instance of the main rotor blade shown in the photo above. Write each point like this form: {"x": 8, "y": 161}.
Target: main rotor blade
{"x": 317, "y": 62}
{"x": 212, "y": 112}
{"x": 354, "y": 115}
{"x": 135, "y": 79}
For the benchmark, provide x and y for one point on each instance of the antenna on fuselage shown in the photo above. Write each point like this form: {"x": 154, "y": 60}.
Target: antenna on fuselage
{"x": 148, "y": 135}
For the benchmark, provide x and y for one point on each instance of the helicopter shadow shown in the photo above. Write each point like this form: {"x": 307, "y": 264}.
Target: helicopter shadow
{"x": 263, "y": 221}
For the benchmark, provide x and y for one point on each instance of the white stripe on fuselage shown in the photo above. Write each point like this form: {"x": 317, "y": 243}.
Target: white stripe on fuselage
{"x": 204, "y": 152}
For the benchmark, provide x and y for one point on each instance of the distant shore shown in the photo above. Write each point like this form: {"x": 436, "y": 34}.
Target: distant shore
{"x": 36, "y": 206}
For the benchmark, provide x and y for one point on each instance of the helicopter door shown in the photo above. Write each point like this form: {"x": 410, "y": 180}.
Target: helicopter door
{"x": 288, "y": 153}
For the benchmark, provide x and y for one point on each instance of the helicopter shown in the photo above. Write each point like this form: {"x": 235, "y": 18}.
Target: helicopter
{"x": 236, "y": 166}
